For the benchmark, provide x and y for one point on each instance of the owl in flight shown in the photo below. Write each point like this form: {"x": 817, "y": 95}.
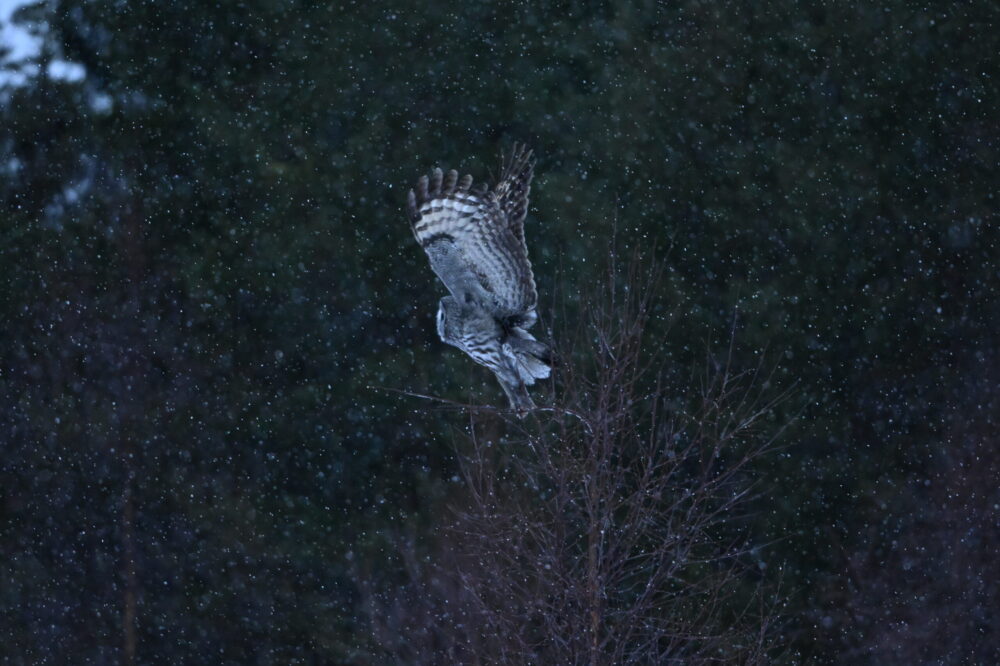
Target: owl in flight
{"x": 474, "y": 239}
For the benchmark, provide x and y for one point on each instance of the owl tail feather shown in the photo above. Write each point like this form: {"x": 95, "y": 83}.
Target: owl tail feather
{"x": 530, "y": 368}
{"x": 534, "y": 359}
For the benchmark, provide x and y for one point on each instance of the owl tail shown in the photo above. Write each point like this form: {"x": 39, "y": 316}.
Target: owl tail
{"x": 525, "y": 360}
{"x": 534, "y": 359}
{"x": 530, "y": 368}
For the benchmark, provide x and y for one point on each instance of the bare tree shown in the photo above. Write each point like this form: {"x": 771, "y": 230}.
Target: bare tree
{"x": 608, "y": 528}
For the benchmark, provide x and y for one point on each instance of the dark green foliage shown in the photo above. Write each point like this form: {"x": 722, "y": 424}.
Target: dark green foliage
{"x": 206, "y": 266}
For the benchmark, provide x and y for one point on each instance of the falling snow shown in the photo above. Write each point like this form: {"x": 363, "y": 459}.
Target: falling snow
{"x": 765, "y": 239}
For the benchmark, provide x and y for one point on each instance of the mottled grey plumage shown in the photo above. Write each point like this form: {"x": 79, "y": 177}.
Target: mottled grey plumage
{"x": 474, "y": 239}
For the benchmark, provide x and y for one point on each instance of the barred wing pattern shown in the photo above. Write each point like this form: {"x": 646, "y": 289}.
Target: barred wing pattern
{"x": 512, "y": 191}
{"x": 475, "y": 242}
{"x": 475, "y": 238}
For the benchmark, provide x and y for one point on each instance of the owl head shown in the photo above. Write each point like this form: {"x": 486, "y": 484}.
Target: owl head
{"x": 459, "y": 323}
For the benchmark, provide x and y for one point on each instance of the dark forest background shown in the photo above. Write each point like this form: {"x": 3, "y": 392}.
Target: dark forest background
{"x": 206, "y": 267}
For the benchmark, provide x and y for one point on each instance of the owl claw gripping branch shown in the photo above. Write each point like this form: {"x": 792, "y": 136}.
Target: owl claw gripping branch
{"x": 474, "y": 239}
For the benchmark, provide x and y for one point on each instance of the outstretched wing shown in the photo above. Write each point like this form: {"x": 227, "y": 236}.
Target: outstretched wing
{"x": 474, "y": 244}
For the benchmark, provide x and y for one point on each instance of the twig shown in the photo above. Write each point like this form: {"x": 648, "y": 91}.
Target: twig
{"x": 433, "y": 398}
{"x": 483, "y": 408}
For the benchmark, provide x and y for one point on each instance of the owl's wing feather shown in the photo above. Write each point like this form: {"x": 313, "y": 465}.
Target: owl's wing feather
{"x": 516, "y": 171}
{"x": 471, "y": 242}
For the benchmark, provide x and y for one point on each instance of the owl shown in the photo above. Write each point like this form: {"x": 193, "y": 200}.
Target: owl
{"x": 474, "y": 239}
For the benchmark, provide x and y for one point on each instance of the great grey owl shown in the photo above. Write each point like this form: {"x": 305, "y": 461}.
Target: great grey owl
{"x": 474, "y": 239}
